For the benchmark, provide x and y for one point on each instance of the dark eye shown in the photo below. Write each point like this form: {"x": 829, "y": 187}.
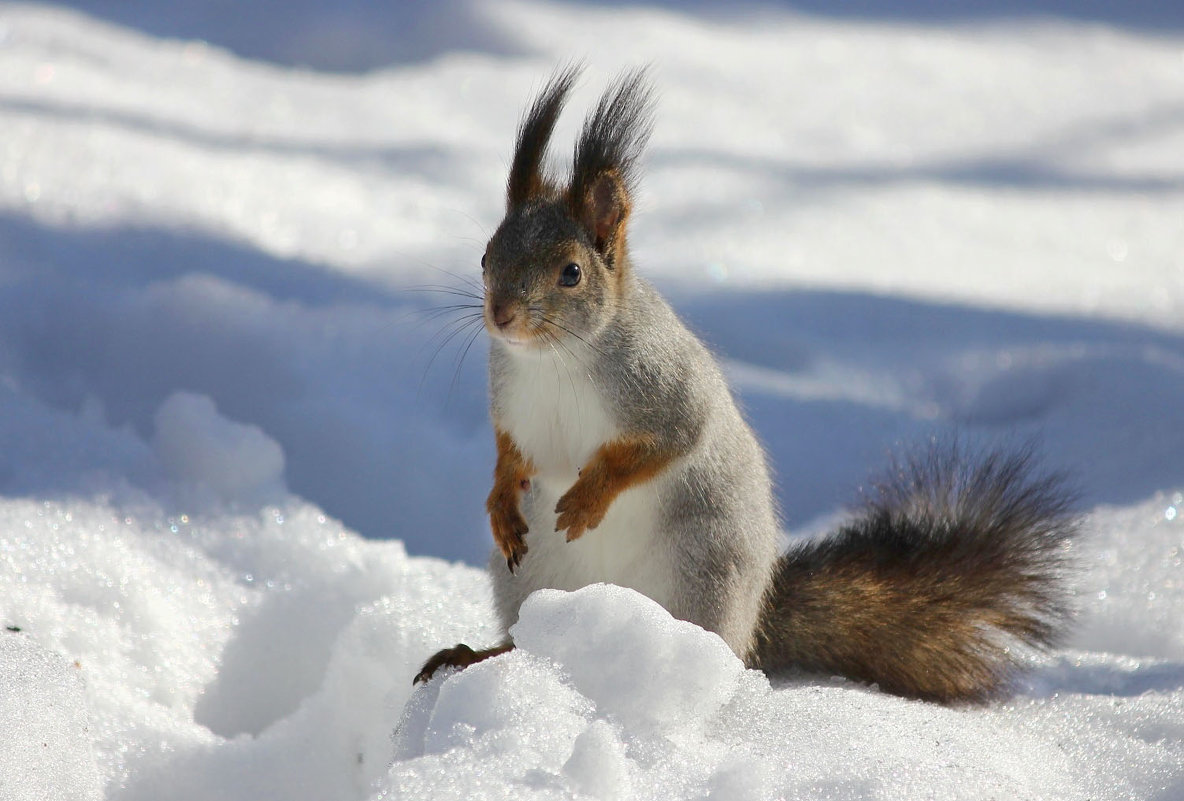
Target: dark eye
{"x": 570, "y": 276}
{"x": 482, "y": 262}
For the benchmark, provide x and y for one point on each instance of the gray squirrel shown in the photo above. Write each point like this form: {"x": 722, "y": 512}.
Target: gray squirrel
{"x": 622, "y": 458}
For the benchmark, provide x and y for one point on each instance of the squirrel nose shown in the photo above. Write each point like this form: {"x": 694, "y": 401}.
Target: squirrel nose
{"x": 503, "y": 313}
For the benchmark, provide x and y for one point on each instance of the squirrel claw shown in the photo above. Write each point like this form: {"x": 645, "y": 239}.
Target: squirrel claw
{"x": 459, "y": 656}
{"x": 509, "y": 531}
{"x": 576, "y": 518}
{"x": 573, "y": 533}
{"x": 513, "y": 549}
{"x": 514, "y": 558}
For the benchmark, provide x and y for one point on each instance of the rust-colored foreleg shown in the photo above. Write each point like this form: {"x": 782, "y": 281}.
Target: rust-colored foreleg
{"x": 615, "y": 467}
{"x": 510, "y": 477}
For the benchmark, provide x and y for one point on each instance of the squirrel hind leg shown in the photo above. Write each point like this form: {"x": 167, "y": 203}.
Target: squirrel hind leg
{"x": 459, "y": 656}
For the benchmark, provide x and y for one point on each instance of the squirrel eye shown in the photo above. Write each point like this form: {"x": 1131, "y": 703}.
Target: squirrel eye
{"x": 482, "y": 262}
{"x": 570, "y": 275}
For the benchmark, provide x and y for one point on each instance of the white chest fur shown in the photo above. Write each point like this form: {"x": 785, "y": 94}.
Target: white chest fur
{"x": 558, "y": 418}
{"x": 552, "y": 409}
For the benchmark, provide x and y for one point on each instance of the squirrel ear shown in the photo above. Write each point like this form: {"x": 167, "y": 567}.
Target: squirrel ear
{"x": 604, "y": 168}
{"x": 526, "y": 181}
{"x": 603, "y": 212}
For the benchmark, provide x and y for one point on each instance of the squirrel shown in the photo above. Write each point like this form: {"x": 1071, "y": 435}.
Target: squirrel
{"x": 622, "y": 458}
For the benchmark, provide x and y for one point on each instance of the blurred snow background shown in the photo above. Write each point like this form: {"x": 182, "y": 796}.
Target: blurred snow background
{"x": 232, "y": 461}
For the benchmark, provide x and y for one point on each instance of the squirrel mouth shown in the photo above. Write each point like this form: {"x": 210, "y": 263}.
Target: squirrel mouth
{"x": 514, "y": 326}
{"x": 512, "y": 335}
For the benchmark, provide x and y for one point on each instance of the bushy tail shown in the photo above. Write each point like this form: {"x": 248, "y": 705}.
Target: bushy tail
{"x": 948, "y": 576}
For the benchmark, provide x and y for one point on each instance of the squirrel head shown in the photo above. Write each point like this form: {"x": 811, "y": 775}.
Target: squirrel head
{"x": 557, "y": 265}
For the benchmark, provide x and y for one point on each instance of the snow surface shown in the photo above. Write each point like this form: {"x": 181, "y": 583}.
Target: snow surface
{"x": 238, "y": 448}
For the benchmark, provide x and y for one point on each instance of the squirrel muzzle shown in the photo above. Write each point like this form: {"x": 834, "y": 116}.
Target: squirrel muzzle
{"x": 507, "y": 318}
{"x": 502, "y": 313}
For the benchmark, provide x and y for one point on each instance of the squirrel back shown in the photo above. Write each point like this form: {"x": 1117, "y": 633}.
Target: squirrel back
{"x": 622, "y": 458}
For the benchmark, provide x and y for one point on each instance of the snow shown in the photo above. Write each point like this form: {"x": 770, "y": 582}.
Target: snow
{"x": 243, "y": 452}
{"x": 48, "y": 751}
{"x": 199, "y": 449}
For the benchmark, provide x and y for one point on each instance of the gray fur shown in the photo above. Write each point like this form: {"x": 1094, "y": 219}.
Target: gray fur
{"x": 715, "y": 532}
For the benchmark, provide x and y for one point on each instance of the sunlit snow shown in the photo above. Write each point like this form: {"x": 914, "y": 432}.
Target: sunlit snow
{"x": 243, "y": 455}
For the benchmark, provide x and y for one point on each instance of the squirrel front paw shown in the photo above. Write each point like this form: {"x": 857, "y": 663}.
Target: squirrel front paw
{"x": 580, "y": 509}
{"x": 509, "y": 531}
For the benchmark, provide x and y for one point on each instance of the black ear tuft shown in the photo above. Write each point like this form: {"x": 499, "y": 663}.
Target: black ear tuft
{"x": 605, "y": 169}
{"x": 526, "y": 180}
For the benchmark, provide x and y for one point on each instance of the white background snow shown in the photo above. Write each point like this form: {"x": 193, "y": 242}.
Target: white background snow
{"x": 241, "y": 493}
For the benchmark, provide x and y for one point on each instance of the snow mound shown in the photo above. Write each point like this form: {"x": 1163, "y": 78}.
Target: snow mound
{"x": 47, "y": 741}
{"x": 626, "y": 653}
{"x": 608, "y": 696}
{"x": 225, "y": 654}
{"x": 236, "y": 463}
{"x": 270, "y": 655}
